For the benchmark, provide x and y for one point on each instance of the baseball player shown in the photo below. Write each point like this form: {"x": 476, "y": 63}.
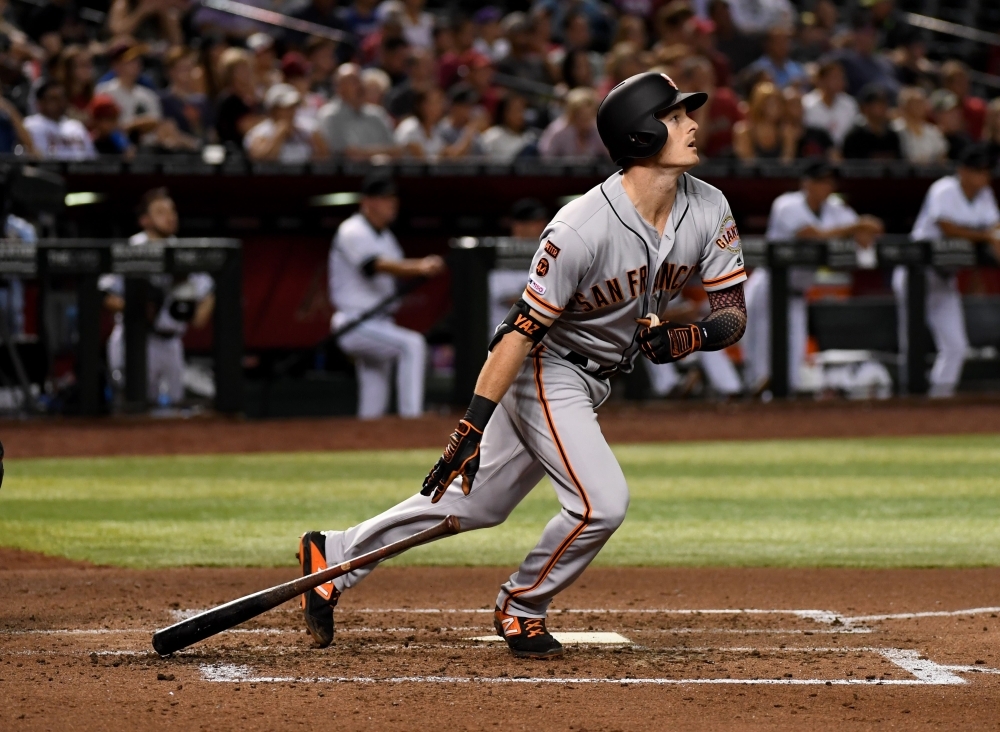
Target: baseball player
{"x": 959, "y": 206}
{"x": 189, "y": 302}
{"x": 812, "y": 212}
{"x": 365, "y": 260}
{"x": 605, "y": 270}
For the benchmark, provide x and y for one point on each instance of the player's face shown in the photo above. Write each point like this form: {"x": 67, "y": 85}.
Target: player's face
{"x": 161, "y": 217}
{"x": 680, "y": 150}
{"x": 380, "y": 210}
{"x": 973, "y": 179}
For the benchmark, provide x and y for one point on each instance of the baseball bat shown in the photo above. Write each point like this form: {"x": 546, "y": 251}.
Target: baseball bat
{"x": 206, "y": 624}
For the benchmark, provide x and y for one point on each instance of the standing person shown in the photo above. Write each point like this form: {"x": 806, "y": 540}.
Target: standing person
{"x": 191, "y": 303}
{"x": 961, "y": 206}
{"x": 612, "y": 257}
{"x": 365, "y": 261}
{"x": 812, "y": 212}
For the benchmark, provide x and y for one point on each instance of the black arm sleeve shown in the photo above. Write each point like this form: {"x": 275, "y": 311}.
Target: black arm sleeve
{"x": 728, "y": 320}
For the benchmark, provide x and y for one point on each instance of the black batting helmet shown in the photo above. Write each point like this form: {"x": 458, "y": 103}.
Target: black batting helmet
{"x": 627, "y": 120}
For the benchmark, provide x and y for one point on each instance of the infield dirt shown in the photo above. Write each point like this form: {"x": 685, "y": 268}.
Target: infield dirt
{"x": 75, "y": 653}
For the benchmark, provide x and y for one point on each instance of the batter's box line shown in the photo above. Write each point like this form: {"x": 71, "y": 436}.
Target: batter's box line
{"x": 924, "y": 671}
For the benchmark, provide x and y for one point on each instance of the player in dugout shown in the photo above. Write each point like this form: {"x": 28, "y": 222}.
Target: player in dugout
{"x": 960, "y": 206}
{"x": 365, "y": 262}
{"x": 175, "y": 307}
{"x": 815, "y": 211}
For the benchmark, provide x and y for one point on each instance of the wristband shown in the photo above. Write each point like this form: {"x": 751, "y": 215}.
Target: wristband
{"x": 479, "y": 412}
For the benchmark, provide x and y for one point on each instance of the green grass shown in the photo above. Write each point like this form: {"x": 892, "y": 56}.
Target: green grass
{"x": 872, "y": 503}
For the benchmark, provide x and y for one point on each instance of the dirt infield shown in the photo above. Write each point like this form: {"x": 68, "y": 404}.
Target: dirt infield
{"x": 648, "y": 422}
{"x": 698, "y": 649}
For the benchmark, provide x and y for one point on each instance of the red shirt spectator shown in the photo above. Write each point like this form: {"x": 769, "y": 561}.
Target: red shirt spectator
{"x": 717, "y": 117}
{"x": 955, "y": 78}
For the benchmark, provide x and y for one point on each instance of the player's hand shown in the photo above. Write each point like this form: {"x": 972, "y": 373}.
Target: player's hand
{"x": 869, "y": 225}
{"x": 667, "y": 342}
{"x": 431, "y": 266}
{"x": 460, "y": 458}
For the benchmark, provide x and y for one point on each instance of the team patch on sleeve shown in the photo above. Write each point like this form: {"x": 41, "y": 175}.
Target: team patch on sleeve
{"x": 552, "y": 250}
{"x": 542, "y": 268}
{"x": 729, "y": 236}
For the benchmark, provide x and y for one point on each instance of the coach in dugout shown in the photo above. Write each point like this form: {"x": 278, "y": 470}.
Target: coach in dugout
{"x": 960, "y": 206}
{"x": 365, "y": 261}
{"x": 814, "y": 211}
{"x": 174, "y": 307}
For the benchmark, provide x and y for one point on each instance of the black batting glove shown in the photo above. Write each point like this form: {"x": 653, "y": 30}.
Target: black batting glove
{"x": 669, "y": 342}
{"x": 461, "y": 456}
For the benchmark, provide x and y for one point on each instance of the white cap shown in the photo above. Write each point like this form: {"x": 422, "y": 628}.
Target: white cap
{"x": 260, "y": 42}
{"x": 281, "y": 95}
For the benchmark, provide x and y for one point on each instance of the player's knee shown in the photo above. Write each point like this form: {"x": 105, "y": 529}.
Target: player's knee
{"x": 609, "y": 513}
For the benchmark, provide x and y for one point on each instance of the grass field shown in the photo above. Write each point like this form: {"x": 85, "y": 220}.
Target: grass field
{"x": 875, "y": 503}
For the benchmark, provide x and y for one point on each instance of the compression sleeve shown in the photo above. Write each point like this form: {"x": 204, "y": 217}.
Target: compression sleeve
{"x": 727, "y": 321}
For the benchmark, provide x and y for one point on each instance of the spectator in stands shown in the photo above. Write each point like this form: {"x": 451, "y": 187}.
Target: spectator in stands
{"x": 376, "y": 84}
{"x": 631, "y": 29}
{"x": 991, "y": 130}
{"x": 955, "y": 78}
{"x": 182, "y": 101}
{"x": 420, "y": 136}
{"x": 365, "y": 261}
{"x": 576, "y": 70}
{"x": 670, "y": 25}
{"x": 238, "y": 108}
{"x": 827, "y": 106}
{"x": 360, "y": 18}
{"x": 814, "y": 40}
{"x": 295, "y": 71}
{"x": 393, "y": 58}
{"x": 804, "y": 139}
{"x": 948, "y": 117}
{"x": 921, "y": 142}
{"x": 489, "y": 35}
{"x": 703, "y": 44}
{"x": 418, "y": 25}
{"x": 461, "y": 127}
{"x": 740, "y": 48}
{"x": 576, "y": 42}
{"x": 862, "y": 63}
{"x": 53, "y": 134}
{"x": 522, "y": 61}
{"x": 107, "y": 133}
{"x": 912, "y": 66}
{"x": 76, "y": 72}
{"x": 510, "y": 136}
{"x": 13, "y": 134}
{"x": 282, "y": 137}
{"x": 623, "y": 61}
{"x": 322, "y": 63}
{"x": 351, "y": 127}
{"x": 574, "y": 133}
{"x": 148, "y": 19}
{"x": 266, "y": 71}
{"x": 776, "y": 60}
{"x": 718, "y": 115}
{"x": 761, "y": 16}
{"x": 140, "y": 107}
{"x": 872, "y": 137}
{"x": 760, "y": 135}
{"x": 481, "y": 79}
{"x": 420, "y": 77}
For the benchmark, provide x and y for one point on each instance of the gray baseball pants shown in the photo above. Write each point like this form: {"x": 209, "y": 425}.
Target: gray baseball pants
{"x": 545, "y": 424}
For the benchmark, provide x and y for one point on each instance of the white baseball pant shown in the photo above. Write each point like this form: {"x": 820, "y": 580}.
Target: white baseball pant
{"x": 757, "y": 340}
{"x": 718, "y": 368}
{"x": 376, "y": 346}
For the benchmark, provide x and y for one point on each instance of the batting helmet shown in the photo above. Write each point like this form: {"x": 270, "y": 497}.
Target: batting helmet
{"x": 626, "y": 119}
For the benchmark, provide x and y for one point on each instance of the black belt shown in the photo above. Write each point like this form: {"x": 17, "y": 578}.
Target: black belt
{"x": 604, "y": 372}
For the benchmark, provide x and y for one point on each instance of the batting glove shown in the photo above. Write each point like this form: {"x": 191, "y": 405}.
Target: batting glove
{"x": 461, "y": 456}
{"x": 669, "y": 342}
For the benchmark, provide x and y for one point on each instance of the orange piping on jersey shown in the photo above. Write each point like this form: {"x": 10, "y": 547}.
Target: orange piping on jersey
{"x": 585, "y": 521}
{"x": 541, "y": 302}
{"x": 724, "y": 279}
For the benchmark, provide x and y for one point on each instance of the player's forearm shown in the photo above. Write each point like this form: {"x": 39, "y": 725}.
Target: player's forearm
{"x": 399, "y": 267}
{"x": 728, "y": 320}
{"x": 502, "y": 365}
{"x": 951, "y": 229}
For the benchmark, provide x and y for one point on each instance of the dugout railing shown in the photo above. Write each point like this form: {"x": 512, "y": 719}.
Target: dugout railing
{"x": 472, "y": 261}
{"x": 85, "y": 260}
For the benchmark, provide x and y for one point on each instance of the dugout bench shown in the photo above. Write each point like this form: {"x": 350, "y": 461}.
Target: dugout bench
{"x": 84, "y": 260}
{"x": 841, "y": 254}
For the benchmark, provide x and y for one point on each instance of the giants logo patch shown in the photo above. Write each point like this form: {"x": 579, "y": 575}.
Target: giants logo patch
{"x": 729, "y": 236}
{"x": 542, "y": 268}
{"x": 552, "y": 250}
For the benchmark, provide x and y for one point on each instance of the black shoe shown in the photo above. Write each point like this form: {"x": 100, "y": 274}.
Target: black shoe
{"x": 317, "y": 604}
{"x": 526, "y": 637}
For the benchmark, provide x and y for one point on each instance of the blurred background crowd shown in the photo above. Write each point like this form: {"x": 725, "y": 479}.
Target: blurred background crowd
{"x": 402, "y": 78}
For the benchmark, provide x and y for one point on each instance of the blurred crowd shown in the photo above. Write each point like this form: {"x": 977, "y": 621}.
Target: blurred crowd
{"x": 396, "y": 79}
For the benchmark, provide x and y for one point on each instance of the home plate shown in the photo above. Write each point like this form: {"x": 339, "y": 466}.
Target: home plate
{"x": 608, "y": 639}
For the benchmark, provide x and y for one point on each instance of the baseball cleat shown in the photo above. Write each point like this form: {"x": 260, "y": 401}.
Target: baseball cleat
{"x": 318, "y": 603}
{"x": 526, "y": 637}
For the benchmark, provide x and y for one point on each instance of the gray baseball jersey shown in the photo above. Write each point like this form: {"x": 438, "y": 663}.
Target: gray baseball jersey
{"x": 599, "y": 266}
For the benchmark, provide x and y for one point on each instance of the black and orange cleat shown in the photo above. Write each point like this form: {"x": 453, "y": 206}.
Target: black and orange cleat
{"x": 317, "y": 604}
{"x": 526, "y": 637}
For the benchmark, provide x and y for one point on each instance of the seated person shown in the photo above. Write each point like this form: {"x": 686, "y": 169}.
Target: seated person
{"x": 350, "y": 126}
{"x": 53, "y": 134}
{"x": 872, "y": 138}
{"x": 282, "y": 137}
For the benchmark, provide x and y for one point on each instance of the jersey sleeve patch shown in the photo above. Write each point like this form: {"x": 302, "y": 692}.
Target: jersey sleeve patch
{"x": 729, "y": 236}
{"x": 552, "y": 250}
{"x": 538, "y": 287}
{"x": 542, "y": 268}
